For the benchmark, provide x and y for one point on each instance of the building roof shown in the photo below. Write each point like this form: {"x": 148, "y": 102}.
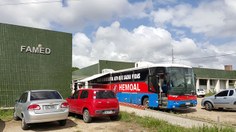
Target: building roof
{"x": 214, "y": 73}
{"x": 93, "y": 77}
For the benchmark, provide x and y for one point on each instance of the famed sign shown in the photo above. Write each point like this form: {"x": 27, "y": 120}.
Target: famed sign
{"x": 35, "y": 50}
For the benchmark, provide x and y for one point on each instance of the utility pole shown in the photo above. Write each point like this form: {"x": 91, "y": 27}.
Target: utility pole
{"x": 172, "y": 54}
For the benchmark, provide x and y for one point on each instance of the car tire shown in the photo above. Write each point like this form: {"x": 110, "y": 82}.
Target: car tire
{"x": 24, "y": 125}
{"x": 86, "y": 116}
{"x": 146, "y": 102}
{"x": 62, "y": 122}
{"x": 15, "y": 117}
{"x": 114, "y": 117}
{"x": 208, "y": 106}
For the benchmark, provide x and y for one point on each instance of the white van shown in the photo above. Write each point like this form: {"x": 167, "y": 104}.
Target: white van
{"x": 201, "y": 92}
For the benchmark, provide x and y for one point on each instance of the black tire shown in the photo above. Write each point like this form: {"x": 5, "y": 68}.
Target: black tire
{"x": 24, "y": 125}
{"x": 62, "y": 122}
{"x": 15, "y": 117}
{"x": 208, "y": 106}
{"x": 86, "y": 116}
{"x": 146, "y": 102}
{"x": 114, "y": 117}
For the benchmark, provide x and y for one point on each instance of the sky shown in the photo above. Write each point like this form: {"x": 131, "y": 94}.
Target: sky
{"x": 199, "y": 33}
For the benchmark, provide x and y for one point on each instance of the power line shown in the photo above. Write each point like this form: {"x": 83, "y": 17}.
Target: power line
{"x": 209, "y": 56}
{"x": 34, "y": 2}
{"x": 27, "y": 3}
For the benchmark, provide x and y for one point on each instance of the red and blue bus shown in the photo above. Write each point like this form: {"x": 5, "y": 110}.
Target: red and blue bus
{"x": 169, "y": 86}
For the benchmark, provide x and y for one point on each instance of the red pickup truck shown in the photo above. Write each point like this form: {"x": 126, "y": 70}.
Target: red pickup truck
{"x": 94, "y": 103}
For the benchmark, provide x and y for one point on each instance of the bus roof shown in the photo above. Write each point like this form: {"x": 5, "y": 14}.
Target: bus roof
{"x": 130, "y": 69}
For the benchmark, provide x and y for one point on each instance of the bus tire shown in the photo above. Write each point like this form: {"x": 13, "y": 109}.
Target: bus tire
{"x": 146, "y": 102}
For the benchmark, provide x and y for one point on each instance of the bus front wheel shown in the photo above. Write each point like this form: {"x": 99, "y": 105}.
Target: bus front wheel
{"x": 146, "y": 102}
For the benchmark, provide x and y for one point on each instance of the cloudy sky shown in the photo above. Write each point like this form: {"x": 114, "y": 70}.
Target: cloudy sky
{"x": 199, "y": 33}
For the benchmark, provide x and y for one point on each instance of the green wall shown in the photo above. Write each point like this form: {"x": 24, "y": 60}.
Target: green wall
{"x": 21, "y": 71}
{"x": 97, "y": 68}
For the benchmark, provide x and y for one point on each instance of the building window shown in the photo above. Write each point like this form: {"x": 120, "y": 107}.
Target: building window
{"x": 202, "y": 81}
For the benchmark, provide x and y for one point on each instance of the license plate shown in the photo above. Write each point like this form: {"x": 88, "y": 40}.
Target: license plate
{"x": 187, "y": 103}
{"x": 49, "y": 107}
{"x": 108, "y": 112}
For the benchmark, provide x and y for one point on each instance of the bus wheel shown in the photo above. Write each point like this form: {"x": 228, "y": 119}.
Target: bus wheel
{"x": 146, "y": 102}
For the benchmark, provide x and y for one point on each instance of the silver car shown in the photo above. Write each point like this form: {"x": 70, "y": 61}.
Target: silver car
{"x": 225, "y": 99}
{"x": 37, "y": 106}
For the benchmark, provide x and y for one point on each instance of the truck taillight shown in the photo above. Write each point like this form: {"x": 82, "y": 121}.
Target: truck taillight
{"x": 64, "y": 105}
{"x": 34, "y": 107}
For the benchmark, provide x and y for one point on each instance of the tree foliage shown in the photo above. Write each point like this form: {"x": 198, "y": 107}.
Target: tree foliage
{"x": 74, "y": 69}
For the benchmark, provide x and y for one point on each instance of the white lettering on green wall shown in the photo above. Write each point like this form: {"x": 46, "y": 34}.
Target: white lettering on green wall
{"x": 35, "y": 50}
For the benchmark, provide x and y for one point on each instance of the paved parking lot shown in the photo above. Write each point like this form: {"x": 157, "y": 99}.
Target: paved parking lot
{"x": 104, "y": 124}
{"x": 218, "y": 116}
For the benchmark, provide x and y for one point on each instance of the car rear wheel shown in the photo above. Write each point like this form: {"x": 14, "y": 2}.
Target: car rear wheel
{"x": 15, "y": 117}
{"x": 86, "y": 116}
{"x": 62, "y": 122}
{"x": 208, "y": 106}
{"x": 24, "y": 125}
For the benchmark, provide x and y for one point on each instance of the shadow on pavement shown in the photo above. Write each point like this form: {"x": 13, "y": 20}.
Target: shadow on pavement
{"x": 176, "y": 111}
{"x": 94, "y": 119}
{"x": 2, "y": 125}
{"x": 180, "y": 111}
{"x": 51, "y": 126}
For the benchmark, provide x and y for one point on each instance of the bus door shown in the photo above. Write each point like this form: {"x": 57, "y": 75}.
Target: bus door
{"x": 153, "y": 84}
{"x": 157, "y": 84}
{"x": 155, "y": 79}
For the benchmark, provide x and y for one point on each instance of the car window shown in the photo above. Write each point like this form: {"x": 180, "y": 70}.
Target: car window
{"x": 231, "y": 92}
{"x": 84, "y": 94}
{"x": 75, "y": 96}
{"x": 223, "y": 93}
{"x": 23, "y": 98}
{"x": 41, "y": 95}
{"x": 105, "y": 94}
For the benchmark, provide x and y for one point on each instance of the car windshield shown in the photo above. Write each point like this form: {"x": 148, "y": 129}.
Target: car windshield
{"x": 182, "y": 81}
{"x": 105, "y": 94}
{"x": 42, "y": 95}
{"x": 200, "y": 90}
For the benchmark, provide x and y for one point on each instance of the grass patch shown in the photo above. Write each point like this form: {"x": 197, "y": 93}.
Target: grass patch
{"x": 6, "y": 114}
{"x": 163, "y": 126}
{"x": 210, "y": 93}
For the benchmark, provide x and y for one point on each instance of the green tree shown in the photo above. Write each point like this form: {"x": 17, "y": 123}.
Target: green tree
{"x": 74, "y": 69}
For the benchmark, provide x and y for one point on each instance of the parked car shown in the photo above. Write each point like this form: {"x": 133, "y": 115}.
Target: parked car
{"x": 201, "y": 92}
{"x": 37, "y": 106}
{"x": 94, "y": 103}
{"x": 225, "y": 99}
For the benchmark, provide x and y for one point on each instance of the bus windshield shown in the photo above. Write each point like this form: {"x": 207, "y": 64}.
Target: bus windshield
{"x": 181, "y": 81}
